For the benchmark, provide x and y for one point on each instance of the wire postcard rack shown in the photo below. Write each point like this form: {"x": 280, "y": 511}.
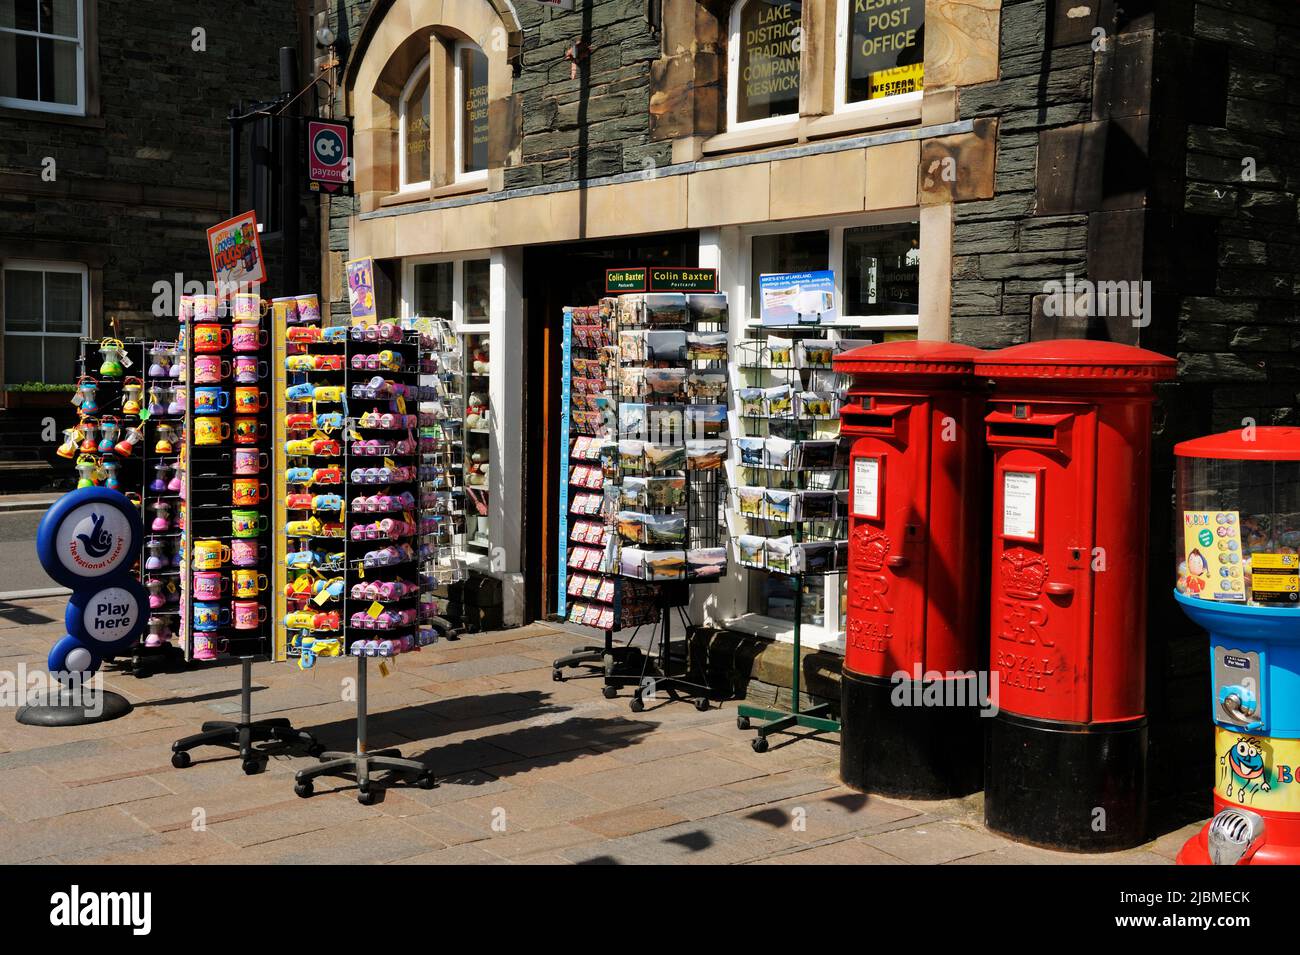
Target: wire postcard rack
{"x": 789, "y": 502}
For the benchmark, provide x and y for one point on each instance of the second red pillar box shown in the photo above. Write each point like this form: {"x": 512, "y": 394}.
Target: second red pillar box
{"x": 1069, "y": 424}
{"x": 910, "y": 687}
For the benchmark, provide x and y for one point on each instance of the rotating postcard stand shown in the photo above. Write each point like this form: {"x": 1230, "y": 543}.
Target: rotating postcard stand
{"x": 227, "y": 423}
{"x": 351, "y": 430}
{"x": 790, "y": 501}
{"x": 667, "y": 506}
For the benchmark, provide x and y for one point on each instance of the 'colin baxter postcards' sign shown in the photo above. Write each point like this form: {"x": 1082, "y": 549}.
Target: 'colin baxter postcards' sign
{"x": 661, "y": 279}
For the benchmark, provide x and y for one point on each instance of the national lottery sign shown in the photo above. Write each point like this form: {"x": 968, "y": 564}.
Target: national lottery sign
{"x": 329, "y": 156}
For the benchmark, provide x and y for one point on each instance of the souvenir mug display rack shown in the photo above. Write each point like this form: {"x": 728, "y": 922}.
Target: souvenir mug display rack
{"x": 129, "y": 437}
{"x": 358, "y": 542}
{"x": 591, "y": 592}
{"x": 228, "y": 521}
{"x": 789, "y": 503}
{"x": 477, "y": 425}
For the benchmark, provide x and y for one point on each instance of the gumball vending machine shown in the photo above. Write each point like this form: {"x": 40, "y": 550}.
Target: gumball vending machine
{"x": 1238, "y": 511}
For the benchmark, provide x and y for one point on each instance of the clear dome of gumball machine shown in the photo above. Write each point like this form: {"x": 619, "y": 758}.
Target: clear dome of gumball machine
{"x": 1238, "y": 576}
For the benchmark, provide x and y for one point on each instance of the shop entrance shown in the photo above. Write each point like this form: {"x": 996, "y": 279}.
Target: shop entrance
{"x": 555, "y": 276}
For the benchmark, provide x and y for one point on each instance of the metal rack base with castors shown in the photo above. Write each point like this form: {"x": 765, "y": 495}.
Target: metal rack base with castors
{"x": 241, "y": 734}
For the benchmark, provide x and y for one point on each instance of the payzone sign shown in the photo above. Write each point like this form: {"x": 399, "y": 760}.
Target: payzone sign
{"x": 329, "y": 156}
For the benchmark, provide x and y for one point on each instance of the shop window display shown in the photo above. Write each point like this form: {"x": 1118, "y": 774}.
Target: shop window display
{"x": 764, "y": 61}
{"x": 882, "y": 47}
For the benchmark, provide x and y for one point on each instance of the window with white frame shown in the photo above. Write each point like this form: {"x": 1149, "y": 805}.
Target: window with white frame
{"x": 876, "y": 261}
{"x": 46, "y": 306}
{"x": 472, "y": 112}
{"x": 413, "y": 143}
{"x": 763, "y": 62}
{"x": 880, "y": 52}
{"x": 42, "y": 55}
{"x": 455, "y": 289}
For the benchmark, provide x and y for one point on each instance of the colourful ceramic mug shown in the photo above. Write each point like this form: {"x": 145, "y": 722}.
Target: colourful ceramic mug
{"x": 285, "y": 310}
{"x": 210, "y": 370}
{"x": 248, "y": 614}
{"x": 208, "y": 585}
{"x": 248, "y": 370}
{"x": 245, "y": 553}
{"x": 247, "y": 337}
{"x": 249, "y": 399}
{"x": 247, "y": 307}
{"x": 205, "y": 308}
{"x": 247, "y": 583}
{"x": 185, "y": 312}
{"x": 247, "y": 523}
{"x": 248, "y": 491}
{"x": 209, "y": 431}
{"x": 211, "y": 338}
{"x": 248, "y": 430}
{"x": 209, "y": 400}
{"x": 308, "y": 308}
{"x": 210, "y": 616}
{"x": 210, "y": 554}
{"x": 250, "y": 461}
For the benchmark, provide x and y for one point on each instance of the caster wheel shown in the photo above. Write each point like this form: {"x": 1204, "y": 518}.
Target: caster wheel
{"x": 181, "y": 760}
{"x": 609, "y": 692}
{"x": 759, "y": 744}
{"x": 315, "y": 749}
{"x": 557, "y": 675}
{"x": 366, "y": 797}
{"x": 702, "y": 704}
{"x": 251, "y": 766}
{"x": 426, "y": 781}
{"x": 742, "y": 722}
{"x": 303, "y": 789}
{"x": 637, "y": 705}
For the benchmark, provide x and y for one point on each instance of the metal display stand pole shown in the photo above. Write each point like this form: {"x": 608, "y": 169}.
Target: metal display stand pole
{"x": 359, "y": 763}
{"x": 245, "y": 732}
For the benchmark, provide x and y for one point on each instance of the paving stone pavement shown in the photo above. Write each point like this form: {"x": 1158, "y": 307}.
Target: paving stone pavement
{"x": 529, "y": 770}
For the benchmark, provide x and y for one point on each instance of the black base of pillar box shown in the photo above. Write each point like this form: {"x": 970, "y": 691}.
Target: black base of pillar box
{"x": 911, "y": 752}
{"x": 1080, "y": 787}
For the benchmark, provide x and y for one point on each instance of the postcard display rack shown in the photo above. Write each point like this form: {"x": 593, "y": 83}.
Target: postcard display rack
{"x": 670, "y": 491}
{"x": 591, "y": 593}
{"x": 359, "y": 543}
{"x": 227, "y": 542}
{"x": 129, "y": 437}
{"x": 789, "y": 502}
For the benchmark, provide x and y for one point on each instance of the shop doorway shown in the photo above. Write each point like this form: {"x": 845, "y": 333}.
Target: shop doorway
{"x": 556, "y": 276}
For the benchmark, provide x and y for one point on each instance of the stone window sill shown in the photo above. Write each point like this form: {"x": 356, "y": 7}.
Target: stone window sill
{"x": 428, "y": 193}
{"x": 806, "y": 128}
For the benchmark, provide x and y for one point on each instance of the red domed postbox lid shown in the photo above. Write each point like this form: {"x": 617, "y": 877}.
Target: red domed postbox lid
{"x": 1256, "y": 444}
{"x": 908, "y": 358}
{"x": 1077, "y": 359}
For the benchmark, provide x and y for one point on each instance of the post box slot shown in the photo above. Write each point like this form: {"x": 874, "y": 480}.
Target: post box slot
{"x": 1041, "y": 432}
{"x": 865, "y": 419}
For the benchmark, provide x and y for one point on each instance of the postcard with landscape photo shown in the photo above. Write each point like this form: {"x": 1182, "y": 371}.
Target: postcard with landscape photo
{"x": 817, "y": 454}
{"x": 631, "y": 562}
{"x": 632, "y": 526}
{"x": 753, "y": 403}
{"x": 631, "y": 456}
{"x": 706, "y": 421}
{"x": 665, "y": 492}
{"x": 706, "y": 346}
{"x": 751, "y": 451}
{"x": 632, "y": 420}
{"x": 666, "y": 424}
{"x": 782, "y": 505}
{"x": 706, "y": 384}
{"x": 631, "y": 345}
{"x": 665, "y": 308}
{"x": 660, "y": 458}
{"x": 779, "y": 401}
{"x": 780, "y": 352}
{"x": 778, "y": 552}
{"x": 750, "y": 549}
{"x": 667, "y": 345}
{"x": 665, "y": 564}
{"x": 666, "y": 382}
{"x": 632, "y": 492}
{"x": 751, "y": 501}
{"x": 812, "y": 353}
{"x": 780, "y": 452}
{"x": 664, "y": 530}
{"x": 706, "y": 562}
{"x": 706, "y": 455}
{"x": 710, "y": 307}
{"x": 631, "y": 382}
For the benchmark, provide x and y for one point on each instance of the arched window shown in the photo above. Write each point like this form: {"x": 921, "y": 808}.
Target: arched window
{"x": 471, "y": 111}
{"x": 413, "y": 146}
{"x": 880, "y": 46}
{"x": 763, "y": 61}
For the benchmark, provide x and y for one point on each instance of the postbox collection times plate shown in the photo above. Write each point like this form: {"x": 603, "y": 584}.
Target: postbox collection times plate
{"x": 868, "y": 478}
{"x": 1020, "y": 504}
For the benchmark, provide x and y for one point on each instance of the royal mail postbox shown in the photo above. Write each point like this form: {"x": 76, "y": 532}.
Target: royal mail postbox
{"x": 910, "y": 690}
{"x": 1069, "y": 425}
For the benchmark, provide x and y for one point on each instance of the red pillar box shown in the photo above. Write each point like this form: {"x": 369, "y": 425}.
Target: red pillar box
{"x": 1070, "y": 429}
{"x": 910, "y": 688}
